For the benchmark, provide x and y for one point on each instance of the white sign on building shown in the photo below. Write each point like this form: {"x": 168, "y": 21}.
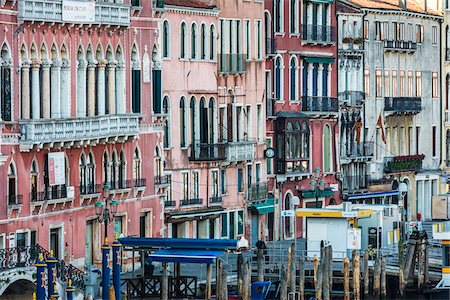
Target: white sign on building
{"x": 56, "y": 168}
{"x": 78, "y": 12}
{"x": 354, "y": 238}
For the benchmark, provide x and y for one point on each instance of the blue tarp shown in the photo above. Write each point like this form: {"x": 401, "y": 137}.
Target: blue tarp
{"x": 372, "y": 195}
{"x": 167, "y": 243}
{"x": 185, "y": 256}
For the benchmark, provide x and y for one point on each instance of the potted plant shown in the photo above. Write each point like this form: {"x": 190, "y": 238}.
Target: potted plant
{"x": 358, "y": 42}
{"x": 347, "y": 43}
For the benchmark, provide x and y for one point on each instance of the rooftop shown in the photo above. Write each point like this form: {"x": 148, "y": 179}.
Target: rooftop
{"x": 206, "y": 4}
{"x": 415, "y": 6}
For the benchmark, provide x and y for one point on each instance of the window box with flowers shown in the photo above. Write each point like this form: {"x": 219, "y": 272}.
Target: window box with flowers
{"x": 347, "y": 43}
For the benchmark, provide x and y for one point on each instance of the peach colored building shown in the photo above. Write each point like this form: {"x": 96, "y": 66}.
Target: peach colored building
{"x": 215, "y": 132}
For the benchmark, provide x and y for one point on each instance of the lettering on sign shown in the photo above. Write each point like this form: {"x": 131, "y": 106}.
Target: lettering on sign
{"x": 56, "y": 168}
{"x": 78, "y": 12}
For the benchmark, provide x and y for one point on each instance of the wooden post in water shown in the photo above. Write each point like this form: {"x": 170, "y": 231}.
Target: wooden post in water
{"x": 301, "y": 278}
{"x": 330, "y": 267}
{"x": 208, "y": 281}
{"x": 247, "y": 280}
{"x": 292, "y": 270}
{"x": 366, "y": 272}
{"x": 346, "y": 279}
{"x": 318, "y": 286}
{"x": 283, "y": 284}
{"x": 316, "y": 270}
{"x": 376, "y": 277}
{"x": 165, "y": 282}
{"x": 325, "y": 276}
{"x": 240, "y": 275}
{"x": 224, "y": 285}
{"x": 401, "y": 271}
{"x": 288, "y": 273}
{"x": 260, "y": 262}
{"x": 356, "y": 275}
{"x": 383, "y": 277}
{"x": 219, "y": 279}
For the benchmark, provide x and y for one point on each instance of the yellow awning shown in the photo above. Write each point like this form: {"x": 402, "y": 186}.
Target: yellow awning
{"x": 321, "y": 213}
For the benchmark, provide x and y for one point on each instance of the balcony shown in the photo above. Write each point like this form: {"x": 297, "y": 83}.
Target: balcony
{"x": 240, "y": 151}
{"x": 400, "y": 46}
{"x": 402, "y": 105}
{"x": 120, "y": 185}
{"x": 231, "y": 63}
{"x": 77, "y": 131}
{"x": 271, "y": 46}
{"x": 51, "y": 11}
{"x": 352, "y": 98}
{"x": 162, "y": 180}
{"x": 408, "y": 163}
{"x": 193, "y": 201}
{"x": 139, "y": 183}
{"x": 271, "y": 107}
{"x": 257, "y": 192}
{"x": 90, "y": 189}
{"x": 14, "y": 200}
{"x": 170, "y": 204}
{"x": 357, "y": 150}
{"x": 320, "y": 105}
{"x": 318, "y": 34}
{"x": 207, "y": 152}
{"x": 352, "y": 183}
{"x": 215, "y": 200}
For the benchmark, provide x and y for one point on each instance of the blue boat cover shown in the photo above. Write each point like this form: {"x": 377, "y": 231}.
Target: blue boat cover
{"x": 373, "y": 194}
{"x": 170, "y": 243}
{"x": 185, "y": 256}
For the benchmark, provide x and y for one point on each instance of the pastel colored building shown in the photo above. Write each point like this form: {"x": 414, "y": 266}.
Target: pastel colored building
{"x": 213, "y": 99}
{"x": 302, "y": 107}
{"x": 79, "y": 106}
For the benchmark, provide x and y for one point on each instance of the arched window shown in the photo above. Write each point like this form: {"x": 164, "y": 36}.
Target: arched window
{"x": 203, "y": 121}
{"x": 212, "y": 42}
{"x": 183, "y": 125}
{"x": 203, "y": 42}
{"x": 294, "y": 79}
{"x": 166, "y": 39}
{"x": 304, "y": 141}
{"x": 166, "y": 111}
{"x": 211, "y": 120}
{"x": 113, "y": 171}
{"x": 5, "y": 84}
{"x": 13, "y": 198}
{"x": 34, "y": 182}
{"x": 83, "y": 190}
{"x": 137, "y": 167}
{"x": 183, "y": 40}
{"x": 122, "y": 172}
{"x": 289, "y": 140}
{"x": 447, "y": 145}
{"x": 106, "y": 178}
{"x": 278, "y": 78}
{"x": 193, "y": 115}
{"x": 90, "y": 174}
{"x": 194, "y": 41}
{"x": 288, "y": 221}
{"x": 327, "y": 149}
{"x": 136, "y": 82}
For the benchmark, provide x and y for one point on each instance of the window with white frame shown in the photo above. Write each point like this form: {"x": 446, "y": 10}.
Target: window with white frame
{"x": 247, "y": 39}
{"x": 195, "y": 185}
{"x": 435, "y": 84}
{"x": 418, "y": 84}
{"x": 185, "y": 185}
{"x": 294, "y": 16}
{"x": 215, "y": 183}
{"x": 166, "y": 39}
{"x": 410, "y": 84}
{"x": 212, "y": 42}
{"x": 258, "y": 34}
{"x": 166, "y": 111}
{"x": 294, "y": 78}
{"x": 278, "y": 86}
{"x": 279, "y": 15}
{"x": 402, "y": 83}
{"x": 223, "y": 182}
{"x": 183, "y": 122}
{"x": 435, "y": 35}
{"x": 194, "y": 35}
{"x": 259, "y": 125}
{"x": 183, "y": 40}
{"x": 203, "y": 42}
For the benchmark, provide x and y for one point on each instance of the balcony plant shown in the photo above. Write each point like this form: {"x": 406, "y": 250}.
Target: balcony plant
{"x": 347, "y": 40}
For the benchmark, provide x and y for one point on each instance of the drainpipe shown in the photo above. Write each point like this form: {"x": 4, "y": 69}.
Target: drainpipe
{"x": 442, "y": 128}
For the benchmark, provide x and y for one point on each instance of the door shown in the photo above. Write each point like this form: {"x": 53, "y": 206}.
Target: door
{"x": 89, "y": 242}
{"x": 55, "y": 242}
{"x": 255, "y": 228}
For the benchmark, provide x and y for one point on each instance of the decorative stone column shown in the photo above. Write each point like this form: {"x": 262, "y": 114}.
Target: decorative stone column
{"x": 65, "y": 89}
{"x": 81, "y": 88}
{"x": 25, "y": 90}
{"x": 101, "y": 89}
{"x": 46, "y": 64}
{"x": 55, "y": 93}
{"x": 112, "y": 88}
{"x": 35, "y": 90}
{"x": 91, "y": 88}
{"x": 120, "y": 88}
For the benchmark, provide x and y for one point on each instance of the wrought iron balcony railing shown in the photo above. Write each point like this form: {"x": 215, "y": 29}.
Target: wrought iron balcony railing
{"x": 357, "y": 150}
{"x": 55, "y": 193}
{"x": 231, "y": 63}
{"x": 403, "y": 105}
{"x": 120, "y": 184}
{"x": 319, "y": 104}
{"x": 271, "y": 107}
{"x": 352, "y": 98}
{"x": 404, "y": 46}
{"x": 162, "y": 179}
{"x": 207, "y": 152}
{"x": 90, "y": 189}
{"x": 51, "y": 11}
{"x": 271, "y": 46}
{"x": 408, "y": 163}
{"x": 257, "y": 192}
{"x": 353, "y": 183}
{"x": 215, "y": 199}
{"x": 14, "y": 200}
{"x": 318, "y": 33}
{"x": 240, "y": 150}
{"x": 193, "y": 201}
{"x": 170, "y": 203}
{"x": 140, "y": 182}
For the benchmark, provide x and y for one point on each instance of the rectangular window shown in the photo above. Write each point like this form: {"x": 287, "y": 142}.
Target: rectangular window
{"x": 410, "y": 140}
{"x": 195, "y": 185}
{"x": 232, "y": 232}
{"x": 418, "y": 84}
{"x": 435, "y": 35}
{"x": 247, "y": 38}
{"x": 118, "y": 225}
{"x": 259, "y": 125}
{"x": 410, "y": 32}
{"x": 240, "y": 222}
{"x": 417, "y": 139}
{"x": 215, "y": 183}
{"x": 224, "y": 221}
{"x": 294, "y": 16}
{"x": 402, "y": 83}
{"x": 378, "y": 34}
{"x": 410, "y": 84}
{"x": 434, "y": 140}
{"x": 366, "y": 29}
{"x": 435, "y": 83}
{"x": 402, "y": 31}
{"x": 367, "y": 82}
{"x": 395, "y": 31}
{"x": 223, "y": 182}
{"x": 419, "y": 33}
{"x": 385, "y": 33}
{"x": 386, "y": 83}
{"x": 379, "y": 83}
{"x": 258, "y": 30}
{"x": 185, "y": 183}
{"x": 238, "y": 37}
{"x": 136, "y": 91}
{"x": 249, "y": 129}
{"x": 240, "y": 180}
{"x": 394, "y": 84}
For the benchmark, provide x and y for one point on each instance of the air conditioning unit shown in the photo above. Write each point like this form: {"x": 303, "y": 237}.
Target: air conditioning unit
{"x": 70, "y": 192}
{"x": 388, "y": 212}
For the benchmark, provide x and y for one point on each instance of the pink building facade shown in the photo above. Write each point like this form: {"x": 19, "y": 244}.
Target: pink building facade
{"x": 302, "y": 107}
{"x": 215, "y": 126}
{"x": 80, "y": 109}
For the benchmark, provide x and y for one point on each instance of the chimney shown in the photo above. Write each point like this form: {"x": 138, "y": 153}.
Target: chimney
{"x": 402, "y": 4}
{"x": 425, "y": 4}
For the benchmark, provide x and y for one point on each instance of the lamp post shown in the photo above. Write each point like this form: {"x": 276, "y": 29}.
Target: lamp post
{"x": 104, "y": 214}
{"x": 317, "y": 185}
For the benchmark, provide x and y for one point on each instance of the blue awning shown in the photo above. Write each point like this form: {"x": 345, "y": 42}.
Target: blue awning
{"x": 373, "y": 195}
{"x": 185, "y": 256}
{"x": 159, "y": 243}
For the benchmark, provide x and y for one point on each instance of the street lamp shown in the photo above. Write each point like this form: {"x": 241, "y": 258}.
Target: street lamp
{"x": 104, "y": 215}
{"x": 317, "y": 185}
